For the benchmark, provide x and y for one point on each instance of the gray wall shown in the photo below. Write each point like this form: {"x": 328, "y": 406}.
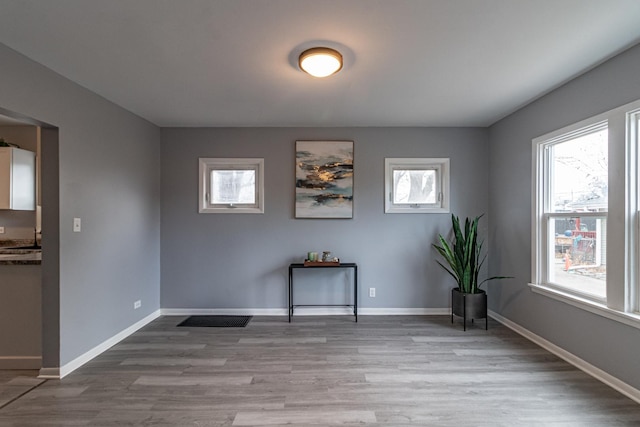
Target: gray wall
{"x": 240, "y": 260}
{"x": 604, "y": 343}
{"x": 109, "y": 176}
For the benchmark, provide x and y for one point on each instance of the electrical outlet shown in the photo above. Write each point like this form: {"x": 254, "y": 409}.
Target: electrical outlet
{"x": 137, "y": 305}
{"x": 1, "y": 230}
{"x": 77, "y": 225}
{"x": 372, "y": 292}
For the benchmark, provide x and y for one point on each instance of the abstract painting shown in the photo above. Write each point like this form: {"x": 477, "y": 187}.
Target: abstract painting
{"x": 324, "y": 179}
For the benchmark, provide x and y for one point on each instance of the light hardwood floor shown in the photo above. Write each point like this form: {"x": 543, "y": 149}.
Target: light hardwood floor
{"x": 381, "y": 371}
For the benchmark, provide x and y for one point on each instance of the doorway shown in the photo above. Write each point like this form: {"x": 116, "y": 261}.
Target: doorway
{"x": 46, "y": 222}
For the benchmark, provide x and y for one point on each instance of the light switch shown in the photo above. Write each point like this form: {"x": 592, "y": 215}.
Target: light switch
{"x": 77, "y": 225}
{"x": 1, "y": 230}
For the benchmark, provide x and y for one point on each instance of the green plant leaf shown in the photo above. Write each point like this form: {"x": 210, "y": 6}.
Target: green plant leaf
{"x": 463, "y": 255}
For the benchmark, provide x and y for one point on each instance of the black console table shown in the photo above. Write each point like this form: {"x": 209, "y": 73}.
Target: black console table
{"x": 327, "y": 265}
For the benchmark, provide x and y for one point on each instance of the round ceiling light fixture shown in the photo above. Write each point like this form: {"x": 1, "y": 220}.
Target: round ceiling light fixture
{"x": 320, "y": 61}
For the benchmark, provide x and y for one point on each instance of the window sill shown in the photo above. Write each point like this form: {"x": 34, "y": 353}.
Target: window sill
{"x": 419, "y": 210}
{"x": 629, "y": 319}
{"x": 227, "y": 210}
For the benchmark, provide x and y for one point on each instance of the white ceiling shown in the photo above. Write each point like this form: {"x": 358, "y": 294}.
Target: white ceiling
{"x": 233, "y": 62}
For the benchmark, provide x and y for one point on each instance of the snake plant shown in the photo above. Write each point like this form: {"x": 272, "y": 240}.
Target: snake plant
{"x": 463, "y": 256}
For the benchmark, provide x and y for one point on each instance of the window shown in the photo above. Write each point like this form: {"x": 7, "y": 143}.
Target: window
{"x": 586, "y": 222}
{"x": 633, "y": 132}
{"x": 574, "y": 210}
{"x": 231, "y": 186}
{"x": 416, "y": 185}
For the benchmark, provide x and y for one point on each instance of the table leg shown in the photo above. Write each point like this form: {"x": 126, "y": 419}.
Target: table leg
{"x": 290, "y": 308}
{"x": 355, "y": 292}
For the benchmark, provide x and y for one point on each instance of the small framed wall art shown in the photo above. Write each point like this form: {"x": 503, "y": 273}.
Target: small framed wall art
{"x": 324, "y": 179}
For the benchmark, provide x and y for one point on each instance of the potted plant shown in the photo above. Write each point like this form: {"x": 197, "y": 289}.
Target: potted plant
{"x": 463, "y": 262}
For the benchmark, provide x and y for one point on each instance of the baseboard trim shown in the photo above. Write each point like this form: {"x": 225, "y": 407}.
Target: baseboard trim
{"x": 597, "y": 373}
{"x": 58, "y": 373}
{"x": 20, "y": 362}
{"x": 224, "y": 311}
{"x": 49, "y": 373}
{"x": 305, "y": 311}
{"x": 404, "y": 311}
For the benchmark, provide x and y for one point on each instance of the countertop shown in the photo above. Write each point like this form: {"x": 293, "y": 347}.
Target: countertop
{"x": 11, "y": 256}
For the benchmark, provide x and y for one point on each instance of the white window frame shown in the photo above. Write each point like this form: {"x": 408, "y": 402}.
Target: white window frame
{"x": 623, "y": 229}
{"x": 545, "y": 216}
{"x": 440, "y": 165}
{"x": 209, "y": 164}
{"x": 632, "y": 301}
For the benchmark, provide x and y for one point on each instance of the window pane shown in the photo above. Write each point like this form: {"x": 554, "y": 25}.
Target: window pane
{"x": 578, "y": 170}
{"x": 414, "y": 186}
{"x": 233, "y": 186}
{"x": 577, "y": 254}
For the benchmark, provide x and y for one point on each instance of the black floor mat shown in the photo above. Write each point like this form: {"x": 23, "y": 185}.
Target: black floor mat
{"x": 216, "y": 321}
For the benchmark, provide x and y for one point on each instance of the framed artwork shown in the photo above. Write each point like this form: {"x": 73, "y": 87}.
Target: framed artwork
{"x": 324, "y": 179}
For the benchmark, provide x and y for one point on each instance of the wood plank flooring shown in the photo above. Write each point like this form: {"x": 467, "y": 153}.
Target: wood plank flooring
{"x": 319, "y": 371}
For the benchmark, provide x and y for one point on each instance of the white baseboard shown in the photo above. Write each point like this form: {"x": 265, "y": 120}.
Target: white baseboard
{"x": 20, "y": 362}
{"x": 597, "y": 373}
{"x": 404, "y": 311}
{"x": 57, "y": 373}
{"x": 305, "y": 311}
{"x": 224, "y": 311}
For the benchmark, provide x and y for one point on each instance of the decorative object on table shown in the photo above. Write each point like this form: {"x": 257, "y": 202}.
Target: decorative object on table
{"x": 464, "y": 261}
{"x": 324, "y": 179}
{"x": 327, "y": 260}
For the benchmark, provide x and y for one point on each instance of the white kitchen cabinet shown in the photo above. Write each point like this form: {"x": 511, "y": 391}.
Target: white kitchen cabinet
{"x": 17, "y": 179}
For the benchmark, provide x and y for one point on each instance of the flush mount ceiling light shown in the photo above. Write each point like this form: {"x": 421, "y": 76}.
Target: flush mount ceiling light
{"x": 320, "y": 61}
